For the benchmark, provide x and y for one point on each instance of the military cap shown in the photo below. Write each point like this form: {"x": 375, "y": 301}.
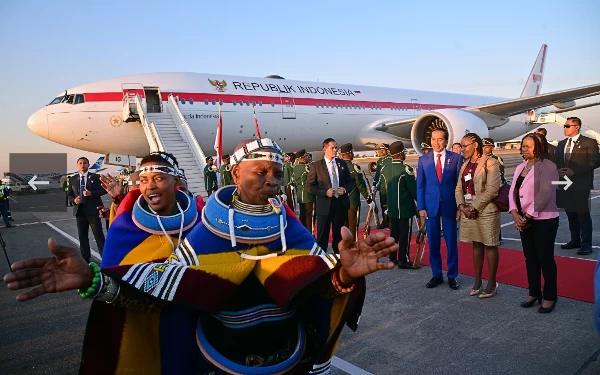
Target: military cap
{"x": 290, "y": 154}
{"x": 308, "y": 154}
{"x": 396, "y": 148}
{"x": 210, "y": 158}
{"x": 346, "y": 148}
{"x": 384, "y": 146}
{"x": 488, "y": 142}
{"x": 225, "y": 157}
{"x": 301, "y": 154}
{"x": 425, "y": 146}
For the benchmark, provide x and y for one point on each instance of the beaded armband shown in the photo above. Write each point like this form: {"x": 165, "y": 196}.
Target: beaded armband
{"x": 337, "y": 284}
{"x": 93, "y": 289}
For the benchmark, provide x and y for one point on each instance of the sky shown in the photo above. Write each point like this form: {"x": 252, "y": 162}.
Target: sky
{"x": 464, "y": 47}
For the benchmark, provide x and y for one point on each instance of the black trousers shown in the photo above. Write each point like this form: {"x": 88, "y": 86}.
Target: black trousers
{"x": 399, "y": 231}
{"x": 580, "y": 220}
{"x": 538, "y": 247}
{"x": 84, "y": 223}
{"x": 334, "y": 220}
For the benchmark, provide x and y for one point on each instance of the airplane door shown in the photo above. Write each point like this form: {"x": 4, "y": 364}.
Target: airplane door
{"x": 416, "y": 107}
{"x": 288, "y": 108}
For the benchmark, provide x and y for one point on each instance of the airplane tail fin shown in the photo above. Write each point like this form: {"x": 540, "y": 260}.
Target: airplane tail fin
{"x": 98, "y": 164}
{"x": 536, "y": 77}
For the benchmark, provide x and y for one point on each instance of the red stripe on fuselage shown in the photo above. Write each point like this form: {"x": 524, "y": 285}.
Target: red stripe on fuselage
{"x": 267, "y": 100}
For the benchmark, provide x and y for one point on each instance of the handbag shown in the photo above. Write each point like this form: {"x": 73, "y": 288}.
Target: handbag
{"x": 501, "y": 199}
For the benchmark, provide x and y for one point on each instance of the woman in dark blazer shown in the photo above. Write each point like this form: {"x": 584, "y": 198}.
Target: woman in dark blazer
{"x": 532, "y": 204}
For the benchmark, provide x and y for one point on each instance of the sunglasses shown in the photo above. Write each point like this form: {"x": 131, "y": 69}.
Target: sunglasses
{"x": 568, "y": 126}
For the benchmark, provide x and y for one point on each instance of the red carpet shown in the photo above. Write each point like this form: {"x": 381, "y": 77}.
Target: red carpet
{"x": 575, "y": 276}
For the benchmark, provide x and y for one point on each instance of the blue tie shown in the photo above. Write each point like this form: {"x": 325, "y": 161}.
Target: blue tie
{"x": 81, "y": 186}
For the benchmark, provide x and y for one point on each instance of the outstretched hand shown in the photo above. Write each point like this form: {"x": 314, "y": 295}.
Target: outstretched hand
{"x": 361, "y": 258}
{"x": 66, "y": 270}
{"x": 113, "y": 187}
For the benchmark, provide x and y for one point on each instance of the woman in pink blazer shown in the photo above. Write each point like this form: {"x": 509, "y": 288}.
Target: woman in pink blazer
{"x": 532, "y": 204}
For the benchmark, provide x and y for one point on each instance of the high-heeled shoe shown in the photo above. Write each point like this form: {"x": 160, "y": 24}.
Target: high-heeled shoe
{"x": 531, "y": 303}
{"x": 546, "y": 310}
{"x": 488, "y": 295}
{"x": 475, "y": 292}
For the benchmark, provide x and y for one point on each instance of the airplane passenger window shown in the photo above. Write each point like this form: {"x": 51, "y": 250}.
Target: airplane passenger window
{"x": 272, "y": 104}
{"x": 206, "y": 101}
{"x": 213, "y": 102}
{"x": 247, "y": 103}
{"x": 220, "y": 102}
{"x": 182, "y": 100}
{"x": 234, "y": 102}
{"x": 253, "y": 103}
{"x": 191, "y": 101}
{"x": 260, "y": 104}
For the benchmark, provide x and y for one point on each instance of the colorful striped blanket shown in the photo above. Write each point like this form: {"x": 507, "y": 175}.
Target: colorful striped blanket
{"x": 201, "y": 277}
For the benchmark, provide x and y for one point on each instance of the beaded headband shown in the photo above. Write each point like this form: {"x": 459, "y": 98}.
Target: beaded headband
{"x": 157, "y": 168}
{"x": 259, "y": 149}
{"x": 165, "y": 157}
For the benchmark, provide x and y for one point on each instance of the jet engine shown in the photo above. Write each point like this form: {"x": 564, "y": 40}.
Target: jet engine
{"x": 457, "y": 122}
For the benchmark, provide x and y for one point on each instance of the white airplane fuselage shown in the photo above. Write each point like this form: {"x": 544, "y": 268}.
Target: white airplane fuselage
{"x": 295, "y": 114}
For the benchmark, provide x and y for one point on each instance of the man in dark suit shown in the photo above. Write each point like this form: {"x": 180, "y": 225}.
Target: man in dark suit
{"x": 576, "y": 158}
{"x": 85, "y": 192}
{"x": 330, "y": 181}
{"x": 437, "y": 176}
{"x": 551, "y": 147}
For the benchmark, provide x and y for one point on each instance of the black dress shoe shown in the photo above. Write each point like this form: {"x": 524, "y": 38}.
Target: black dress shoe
{"x": 453, "y": 284}
{"x": 546, "y": 310}
{"x": 405, "y": 265}
{"x": 9, "y": 226}
{"x": 529, "y": 304}
{"x": 571, "y": 245}
{"x": 585, "y": 250}
{"x": 435, "y": 281}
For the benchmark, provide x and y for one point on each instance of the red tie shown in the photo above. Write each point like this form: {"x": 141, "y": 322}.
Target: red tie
{"x": 438, "y": 168}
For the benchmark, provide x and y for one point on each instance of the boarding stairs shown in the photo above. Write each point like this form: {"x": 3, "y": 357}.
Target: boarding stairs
{"x": 550, "y": 118}
{"x": 168, "y": 131}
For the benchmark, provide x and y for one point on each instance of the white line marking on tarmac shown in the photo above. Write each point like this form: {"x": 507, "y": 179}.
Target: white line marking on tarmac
{"x": 507, "y": 224}
{"x": 556, "y": 243}
{"x": 72, "y": 239}
{"x": 13, "y": 199}
{"x": 40, "y": 222}
{"x": 348, "y": 367}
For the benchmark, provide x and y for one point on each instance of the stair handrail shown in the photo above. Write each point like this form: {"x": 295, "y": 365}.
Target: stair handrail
{"x": 149, "y": 128}
{"x": 186, "y": 131}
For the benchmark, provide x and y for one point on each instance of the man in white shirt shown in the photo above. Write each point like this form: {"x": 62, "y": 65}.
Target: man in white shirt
{"x": 85, "y": 192}
{"x": 330, "y": 181}
{"x": 576, "y": 158}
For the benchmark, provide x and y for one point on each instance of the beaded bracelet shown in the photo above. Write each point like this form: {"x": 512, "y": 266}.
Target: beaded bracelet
{"x": 335, "y": 280}
{"x": 96, "y": 283}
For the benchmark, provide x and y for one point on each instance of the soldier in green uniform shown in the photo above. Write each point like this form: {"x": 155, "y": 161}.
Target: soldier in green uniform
{"x": 288, "y": 178}
{"x": 384, "y": 159}
{"x": 488, "y": 149}
{"x": 210, "y": 176}
{"x": 225, "y": 171}
{"x": 360, "y": 188}
{"x": 400, "y": 187}
{"x": 305, "y": 199}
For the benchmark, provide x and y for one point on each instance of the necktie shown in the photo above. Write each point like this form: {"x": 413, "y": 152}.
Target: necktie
{"x": 81, "y": 186}
{"x": 335, "y": 180}
{"x": 438, "y": 167}
{"x": 568, "y": 151}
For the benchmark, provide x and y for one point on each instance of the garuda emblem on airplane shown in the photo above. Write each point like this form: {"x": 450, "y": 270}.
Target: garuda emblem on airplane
{"x": 220, "y": 86}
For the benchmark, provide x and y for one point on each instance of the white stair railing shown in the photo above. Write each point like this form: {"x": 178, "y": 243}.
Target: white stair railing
{"x": 186, "y": 131}
{"x": 149, "y": 128}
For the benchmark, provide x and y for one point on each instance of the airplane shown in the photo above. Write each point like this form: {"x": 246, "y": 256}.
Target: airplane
{"x": 296, "y": 114}
{"x": 57, "y": 176}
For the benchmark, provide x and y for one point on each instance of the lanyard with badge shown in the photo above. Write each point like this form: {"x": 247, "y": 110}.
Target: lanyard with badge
{"x": 468, "y": 177}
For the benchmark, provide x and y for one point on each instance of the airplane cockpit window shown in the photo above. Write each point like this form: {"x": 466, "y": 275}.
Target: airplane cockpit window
{"x": 68, "y": 99}
{"x": 56, "y": 100}
{"x": 79, "y": 99}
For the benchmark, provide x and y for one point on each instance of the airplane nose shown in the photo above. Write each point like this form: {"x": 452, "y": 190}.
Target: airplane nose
{"x": 38, "y": 123}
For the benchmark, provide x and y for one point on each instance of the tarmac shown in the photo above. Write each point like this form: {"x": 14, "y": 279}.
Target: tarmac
{"x": 405, "y": 328}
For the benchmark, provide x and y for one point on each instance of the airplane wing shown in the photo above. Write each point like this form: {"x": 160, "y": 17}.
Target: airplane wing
{"x": 517, "y": 106}
{"x": 522, "y": 105}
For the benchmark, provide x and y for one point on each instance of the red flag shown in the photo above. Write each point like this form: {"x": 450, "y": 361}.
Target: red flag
{"x": 256, "y": 124}
{"x": 219, "y": 139}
